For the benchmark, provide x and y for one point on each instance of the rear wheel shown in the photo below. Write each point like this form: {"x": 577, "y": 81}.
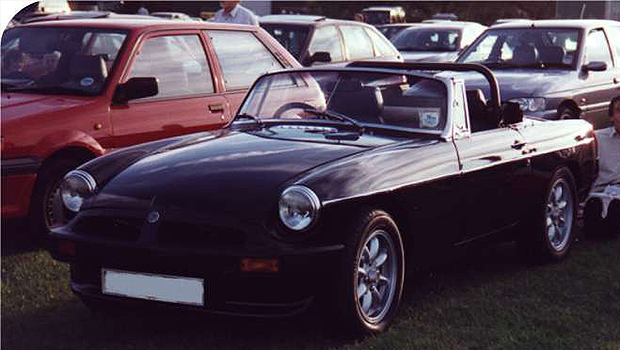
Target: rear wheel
{"x": 551, "y": 232}
{"x": 46, "y": 209}
{"x": 372, "y": 275}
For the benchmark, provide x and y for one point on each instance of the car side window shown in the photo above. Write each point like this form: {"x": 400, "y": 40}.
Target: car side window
{"x": 242, "y": 56}
{"x": 358, "y": 44}
{"x": 178, "y": 62}
{"x": 384, "y": 48}
{"x": 327, "y": 39}
{"x": 614, "y": 38}
{"x": 597, "y": 48}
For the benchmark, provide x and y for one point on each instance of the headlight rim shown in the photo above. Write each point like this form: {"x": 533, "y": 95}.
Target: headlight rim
{"x": 314, "y": 201}
{"x": 87, "y": 178}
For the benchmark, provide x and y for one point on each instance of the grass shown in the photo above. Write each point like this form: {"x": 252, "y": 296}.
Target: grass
{"x": 487, "y": 300}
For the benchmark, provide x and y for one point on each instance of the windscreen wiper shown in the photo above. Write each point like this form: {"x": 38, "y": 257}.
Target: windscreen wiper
{"x": 335, "y": 116}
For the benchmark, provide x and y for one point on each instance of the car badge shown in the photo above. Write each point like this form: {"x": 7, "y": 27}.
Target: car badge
{"x": 153, "y": 217}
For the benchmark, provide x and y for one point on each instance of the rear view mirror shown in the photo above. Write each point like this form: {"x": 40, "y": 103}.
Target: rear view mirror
{"x": 319, "y": 56}
{"x": 136, "y": 88}
{"x": 595, "y": 66}
{"x": 511, "y": 113}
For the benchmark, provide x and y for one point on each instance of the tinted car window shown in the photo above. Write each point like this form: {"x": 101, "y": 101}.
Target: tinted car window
{"x": 597, "y": 48}
{"x": 178, "y": 62}
{"x": 292, "y": 38}
{"x": 525, "y": 46}
{"x": 74, "y": 61}
{"x": 427, "y": 40}
{"x": 357, "y": 42}
{"x": 381, "y": 43}
{"x": 242, "y": 56}
{"x": 327, "y": 39}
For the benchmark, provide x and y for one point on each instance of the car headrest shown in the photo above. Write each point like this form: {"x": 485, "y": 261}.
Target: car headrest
{"x": 88, "y": 66}
{"x": 552, "y": 54}
{"x": 525, "y": 54}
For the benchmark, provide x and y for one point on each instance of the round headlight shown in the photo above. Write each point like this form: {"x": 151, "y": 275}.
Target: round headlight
{"x": 298, "y": 207}
{"x": 75, "y": 188}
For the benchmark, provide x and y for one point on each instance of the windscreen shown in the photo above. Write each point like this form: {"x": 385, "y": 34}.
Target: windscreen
{"x": 527, "y": 47}
{"x": 378, "y": 99}
{"x": 74, "y": 61}
{"x": 427, "y": 40}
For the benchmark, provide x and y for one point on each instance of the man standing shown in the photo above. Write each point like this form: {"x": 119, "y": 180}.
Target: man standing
{"x": 232, "y": 12}
{"x": 602, "y": 211}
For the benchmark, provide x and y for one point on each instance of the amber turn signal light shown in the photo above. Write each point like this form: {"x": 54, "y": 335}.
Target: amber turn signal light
{"x": 260, "y": 265}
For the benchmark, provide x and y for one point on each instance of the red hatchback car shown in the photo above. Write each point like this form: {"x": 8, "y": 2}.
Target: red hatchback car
{"x": 73, "y": 90}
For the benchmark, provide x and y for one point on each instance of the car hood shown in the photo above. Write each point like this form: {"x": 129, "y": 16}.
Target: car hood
{"x": 426, "y": 56}
{"x": 514, "y": 83}
{"x": 18, "y": 105}
{"x": 228, "y": 173}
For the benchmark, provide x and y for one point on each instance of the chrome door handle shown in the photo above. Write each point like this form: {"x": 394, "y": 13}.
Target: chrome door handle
{"x": 216, "y": 108}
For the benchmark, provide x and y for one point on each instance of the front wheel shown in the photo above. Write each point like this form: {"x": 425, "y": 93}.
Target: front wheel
{"x": 568, "y": 112}
{"x": 373, "y": 273}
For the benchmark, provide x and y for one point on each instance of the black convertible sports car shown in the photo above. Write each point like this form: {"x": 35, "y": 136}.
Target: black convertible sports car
{"x": 328, "y": 186}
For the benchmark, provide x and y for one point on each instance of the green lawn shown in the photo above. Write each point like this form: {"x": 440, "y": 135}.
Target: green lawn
{"x": 488, "y": 300}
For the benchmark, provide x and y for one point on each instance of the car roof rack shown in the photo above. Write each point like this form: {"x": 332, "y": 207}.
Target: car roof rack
{"x": 457, "y": 67}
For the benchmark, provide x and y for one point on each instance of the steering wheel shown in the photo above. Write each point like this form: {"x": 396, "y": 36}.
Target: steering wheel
{"x": 291, "y": 105}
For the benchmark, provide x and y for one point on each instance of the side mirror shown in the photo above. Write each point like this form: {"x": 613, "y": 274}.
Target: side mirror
{"x": 135, "y": 88}
{"x": 319, "y": 56}
{"x": 511, "y": 113}
{"x": 594, "y": 66}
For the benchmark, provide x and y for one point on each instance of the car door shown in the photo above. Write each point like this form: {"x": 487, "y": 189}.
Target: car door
{"x": 241, "y": 58}
{"x": 492, "y": 164}
{"x": 599, "y": 87}
{"x": 188, "y": 99}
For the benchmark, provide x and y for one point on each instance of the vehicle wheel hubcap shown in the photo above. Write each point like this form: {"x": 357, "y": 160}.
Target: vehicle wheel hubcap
{"x": 559, "y": 215}
{"x": 376, "y": 276}
{"x": 54, "y": 210}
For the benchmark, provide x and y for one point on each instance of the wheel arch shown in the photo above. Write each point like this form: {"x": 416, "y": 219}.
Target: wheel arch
{"x": 570, "y": 104}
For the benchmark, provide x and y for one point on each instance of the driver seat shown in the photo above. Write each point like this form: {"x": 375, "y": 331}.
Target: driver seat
{"x": 363, "y": 103}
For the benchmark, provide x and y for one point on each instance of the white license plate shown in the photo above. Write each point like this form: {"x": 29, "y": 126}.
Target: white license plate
{"x": 172, "y": 289}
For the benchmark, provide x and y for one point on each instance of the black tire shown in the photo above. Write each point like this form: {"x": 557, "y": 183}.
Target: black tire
{"x": 386, "y": 281}
{"x": 551, "y": 230}
{"x": 568, "y": 112}
{"x": 46, "y": 210}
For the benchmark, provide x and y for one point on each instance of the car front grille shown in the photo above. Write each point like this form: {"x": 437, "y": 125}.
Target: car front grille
{"x": 190, "y": 235}
{"x": 109, "y": 228}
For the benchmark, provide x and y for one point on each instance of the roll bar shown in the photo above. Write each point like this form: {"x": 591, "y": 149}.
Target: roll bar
{"x": 457, "y": 67}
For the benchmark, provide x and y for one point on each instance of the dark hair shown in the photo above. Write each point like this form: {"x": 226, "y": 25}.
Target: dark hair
{"x": 611, "y": 105}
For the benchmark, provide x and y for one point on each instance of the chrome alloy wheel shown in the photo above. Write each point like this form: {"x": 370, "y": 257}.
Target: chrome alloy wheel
{"x": 376, "y": 276}
{"x": 559, "y": 214}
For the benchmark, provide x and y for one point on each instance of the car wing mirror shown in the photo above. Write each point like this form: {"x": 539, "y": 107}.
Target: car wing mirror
{"x": 135, "y": 88}
{"x": 594, "y": 66}
{"x": 319, "y": 56}
{"x": 511, "y": 113}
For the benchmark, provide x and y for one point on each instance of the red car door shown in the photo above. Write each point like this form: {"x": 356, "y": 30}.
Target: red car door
{"x": 189, "y": 99}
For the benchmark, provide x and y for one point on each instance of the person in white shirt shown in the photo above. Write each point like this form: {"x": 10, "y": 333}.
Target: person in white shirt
{"x": 602, "y": 210}
{"x": 232, "y": 12}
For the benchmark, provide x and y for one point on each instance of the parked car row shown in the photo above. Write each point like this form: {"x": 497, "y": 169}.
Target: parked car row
{"x": 76, "y": 89}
